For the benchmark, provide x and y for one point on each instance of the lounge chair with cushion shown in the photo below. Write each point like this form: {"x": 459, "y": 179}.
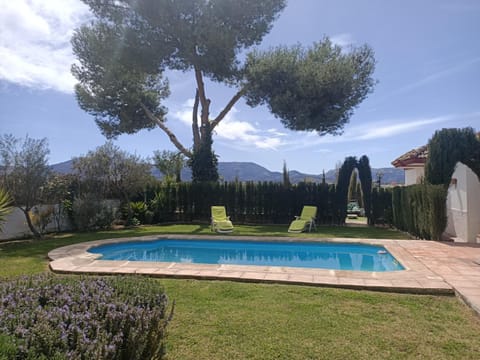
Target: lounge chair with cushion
{"x": 220, "y": 221}
{"x": 306, "y": 220}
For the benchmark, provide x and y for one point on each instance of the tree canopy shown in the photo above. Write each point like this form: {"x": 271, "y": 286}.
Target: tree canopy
{"x": 170, "y": 164}
{"x": 313, "y": 88}
{"x": 110, "y": 172}
{"x": 446, "y": 148}
{"x": 124, "y": 52}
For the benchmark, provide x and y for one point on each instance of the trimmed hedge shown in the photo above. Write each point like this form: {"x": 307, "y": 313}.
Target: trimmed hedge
{"x": 420, "y": 210}
{"x": 343, "y": 182}
{"x": 249, "y": 202}
{"x": 365, "y": 173}
{"x": 382, "y": 206}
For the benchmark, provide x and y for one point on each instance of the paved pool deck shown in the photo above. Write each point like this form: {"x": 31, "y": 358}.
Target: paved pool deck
{"x": 430, "y": 267}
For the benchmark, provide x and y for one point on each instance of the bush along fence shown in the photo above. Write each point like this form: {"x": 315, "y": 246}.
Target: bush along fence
{"x": 382, "y": 212}
{"x": 420, "y": 210}
{"x": 249, "y": 202}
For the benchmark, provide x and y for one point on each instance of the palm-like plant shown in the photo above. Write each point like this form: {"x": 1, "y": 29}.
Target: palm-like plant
{"x": 5, "y": 206}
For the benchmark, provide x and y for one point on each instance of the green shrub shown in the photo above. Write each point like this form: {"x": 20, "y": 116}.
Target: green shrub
{"x": 149, "y": 217}
{"x": 382, "y": 211}
{"x": 8, "y": 348}
{"x": 438, "y": 198}
{"x": 47, "y": 317}
{"x": 89, "y": 213}
{"x": 420, "y": 210}
{"x": 138, "y": 209}
{"x": 41, "y": 217}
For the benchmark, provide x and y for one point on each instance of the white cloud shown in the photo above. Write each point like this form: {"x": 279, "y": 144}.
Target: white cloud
{"x": 246, "y": 134}
{"x": 342, "y": 40}
{"x": 447, "y": 71}
{"x": 184, "y": 112}
{"x": 376, "y": 130}
{"x": 35, "y": 48}
{"x": 243, "y": 135}
{"x": 276, "y": 132}
{"x": 323, "y": 151}
{"x": 235, "y": 132}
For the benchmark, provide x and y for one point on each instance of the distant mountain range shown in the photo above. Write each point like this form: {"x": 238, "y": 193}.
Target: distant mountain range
{"x": 249, "y": 171}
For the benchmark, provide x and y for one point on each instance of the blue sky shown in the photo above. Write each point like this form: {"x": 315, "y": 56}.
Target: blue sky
{"x": 428, "y": 72}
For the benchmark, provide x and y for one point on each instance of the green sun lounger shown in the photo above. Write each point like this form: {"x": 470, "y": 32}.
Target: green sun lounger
{"x": 220, "y": 221}
{"x": 306, "y": 220}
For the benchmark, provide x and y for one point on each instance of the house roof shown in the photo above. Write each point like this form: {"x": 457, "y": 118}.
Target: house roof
{"x": 414, "y": 158}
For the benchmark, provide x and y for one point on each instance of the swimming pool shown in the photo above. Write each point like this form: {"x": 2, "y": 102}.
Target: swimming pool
{"x": 336, "y": 256}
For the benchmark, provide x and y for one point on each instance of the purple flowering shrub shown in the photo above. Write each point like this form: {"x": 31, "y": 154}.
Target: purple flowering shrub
{"x": 53, "y": 317}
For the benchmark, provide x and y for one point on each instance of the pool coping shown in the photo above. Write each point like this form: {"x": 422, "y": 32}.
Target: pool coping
{"x": 417, "y": 277}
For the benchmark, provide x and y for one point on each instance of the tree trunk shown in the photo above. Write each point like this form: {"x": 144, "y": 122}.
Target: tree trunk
{"x": 204, "y": 161}
{"x": 34, "y": 231}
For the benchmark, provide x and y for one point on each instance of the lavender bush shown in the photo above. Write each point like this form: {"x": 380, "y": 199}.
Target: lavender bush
{"x": 51, "y": 317}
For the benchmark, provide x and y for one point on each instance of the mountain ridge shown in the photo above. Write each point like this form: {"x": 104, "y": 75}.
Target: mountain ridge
{"x": 250, "y": 171}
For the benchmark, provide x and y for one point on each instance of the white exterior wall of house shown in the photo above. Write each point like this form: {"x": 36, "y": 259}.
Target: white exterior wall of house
{"x": 463, "y": 205}
{"x": 414, "y": 175}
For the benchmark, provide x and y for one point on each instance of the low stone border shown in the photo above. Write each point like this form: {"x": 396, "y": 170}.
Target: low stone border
{"x": 416, "y": 278}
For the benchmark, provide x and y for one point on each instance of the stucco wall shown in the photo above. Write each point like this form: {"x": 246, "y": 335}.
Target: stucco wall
{"x": 414, "y": 175}
{"x": 16, "y": 226}
{"x": 463, "y": 205}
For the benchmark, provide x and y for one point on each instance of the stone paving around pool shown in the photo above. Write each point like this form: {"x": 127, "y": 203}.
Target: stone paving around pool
{"x": 431, "y": 267}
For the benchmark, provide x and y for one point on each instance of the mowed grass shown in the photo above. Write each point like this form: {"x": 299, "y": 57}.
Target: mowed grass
{"x": 232, "y": 320}
{"x": 228, "y": 320}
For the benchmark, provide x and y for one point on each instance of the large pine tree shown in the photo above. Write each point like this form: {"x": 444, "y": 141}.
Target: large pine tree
{"x": 124, "y": 51}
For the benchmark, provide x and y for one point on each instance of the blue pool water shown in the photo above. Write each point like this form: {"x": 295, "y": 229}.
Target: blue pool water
{"x": 336, "y": 256}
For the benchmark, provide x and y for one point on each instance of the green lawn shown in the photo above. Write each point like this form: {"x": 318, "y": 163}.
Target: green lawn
{"x": 229, "y": 320}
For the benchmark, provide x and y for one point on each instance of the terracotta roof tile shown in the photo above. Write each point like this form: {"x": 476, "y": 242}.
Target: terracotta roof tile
{"x": 415, "y": 156}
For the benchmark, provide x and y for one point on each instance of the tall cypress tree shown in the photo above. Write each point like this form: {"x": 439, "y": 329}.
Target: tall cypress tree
{"x": 286, "y": 176}
{"x": 359, "y": 195}
{"x": 445, "y": 149}
{"x": 365, "y": 173}
{"x": 324, "y": 180}
{"x": 352, "y": 188}
{"x": 343, "y": 181}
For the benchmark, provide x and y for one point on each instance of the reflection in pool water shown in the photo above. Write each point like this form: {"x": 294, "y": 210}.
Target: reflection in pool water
{"x": 337, "y": 256}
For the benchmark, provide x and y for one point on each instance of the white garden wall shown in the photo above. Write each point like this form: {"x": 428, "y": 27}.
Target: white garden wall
{"x": 16, "y": 226}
